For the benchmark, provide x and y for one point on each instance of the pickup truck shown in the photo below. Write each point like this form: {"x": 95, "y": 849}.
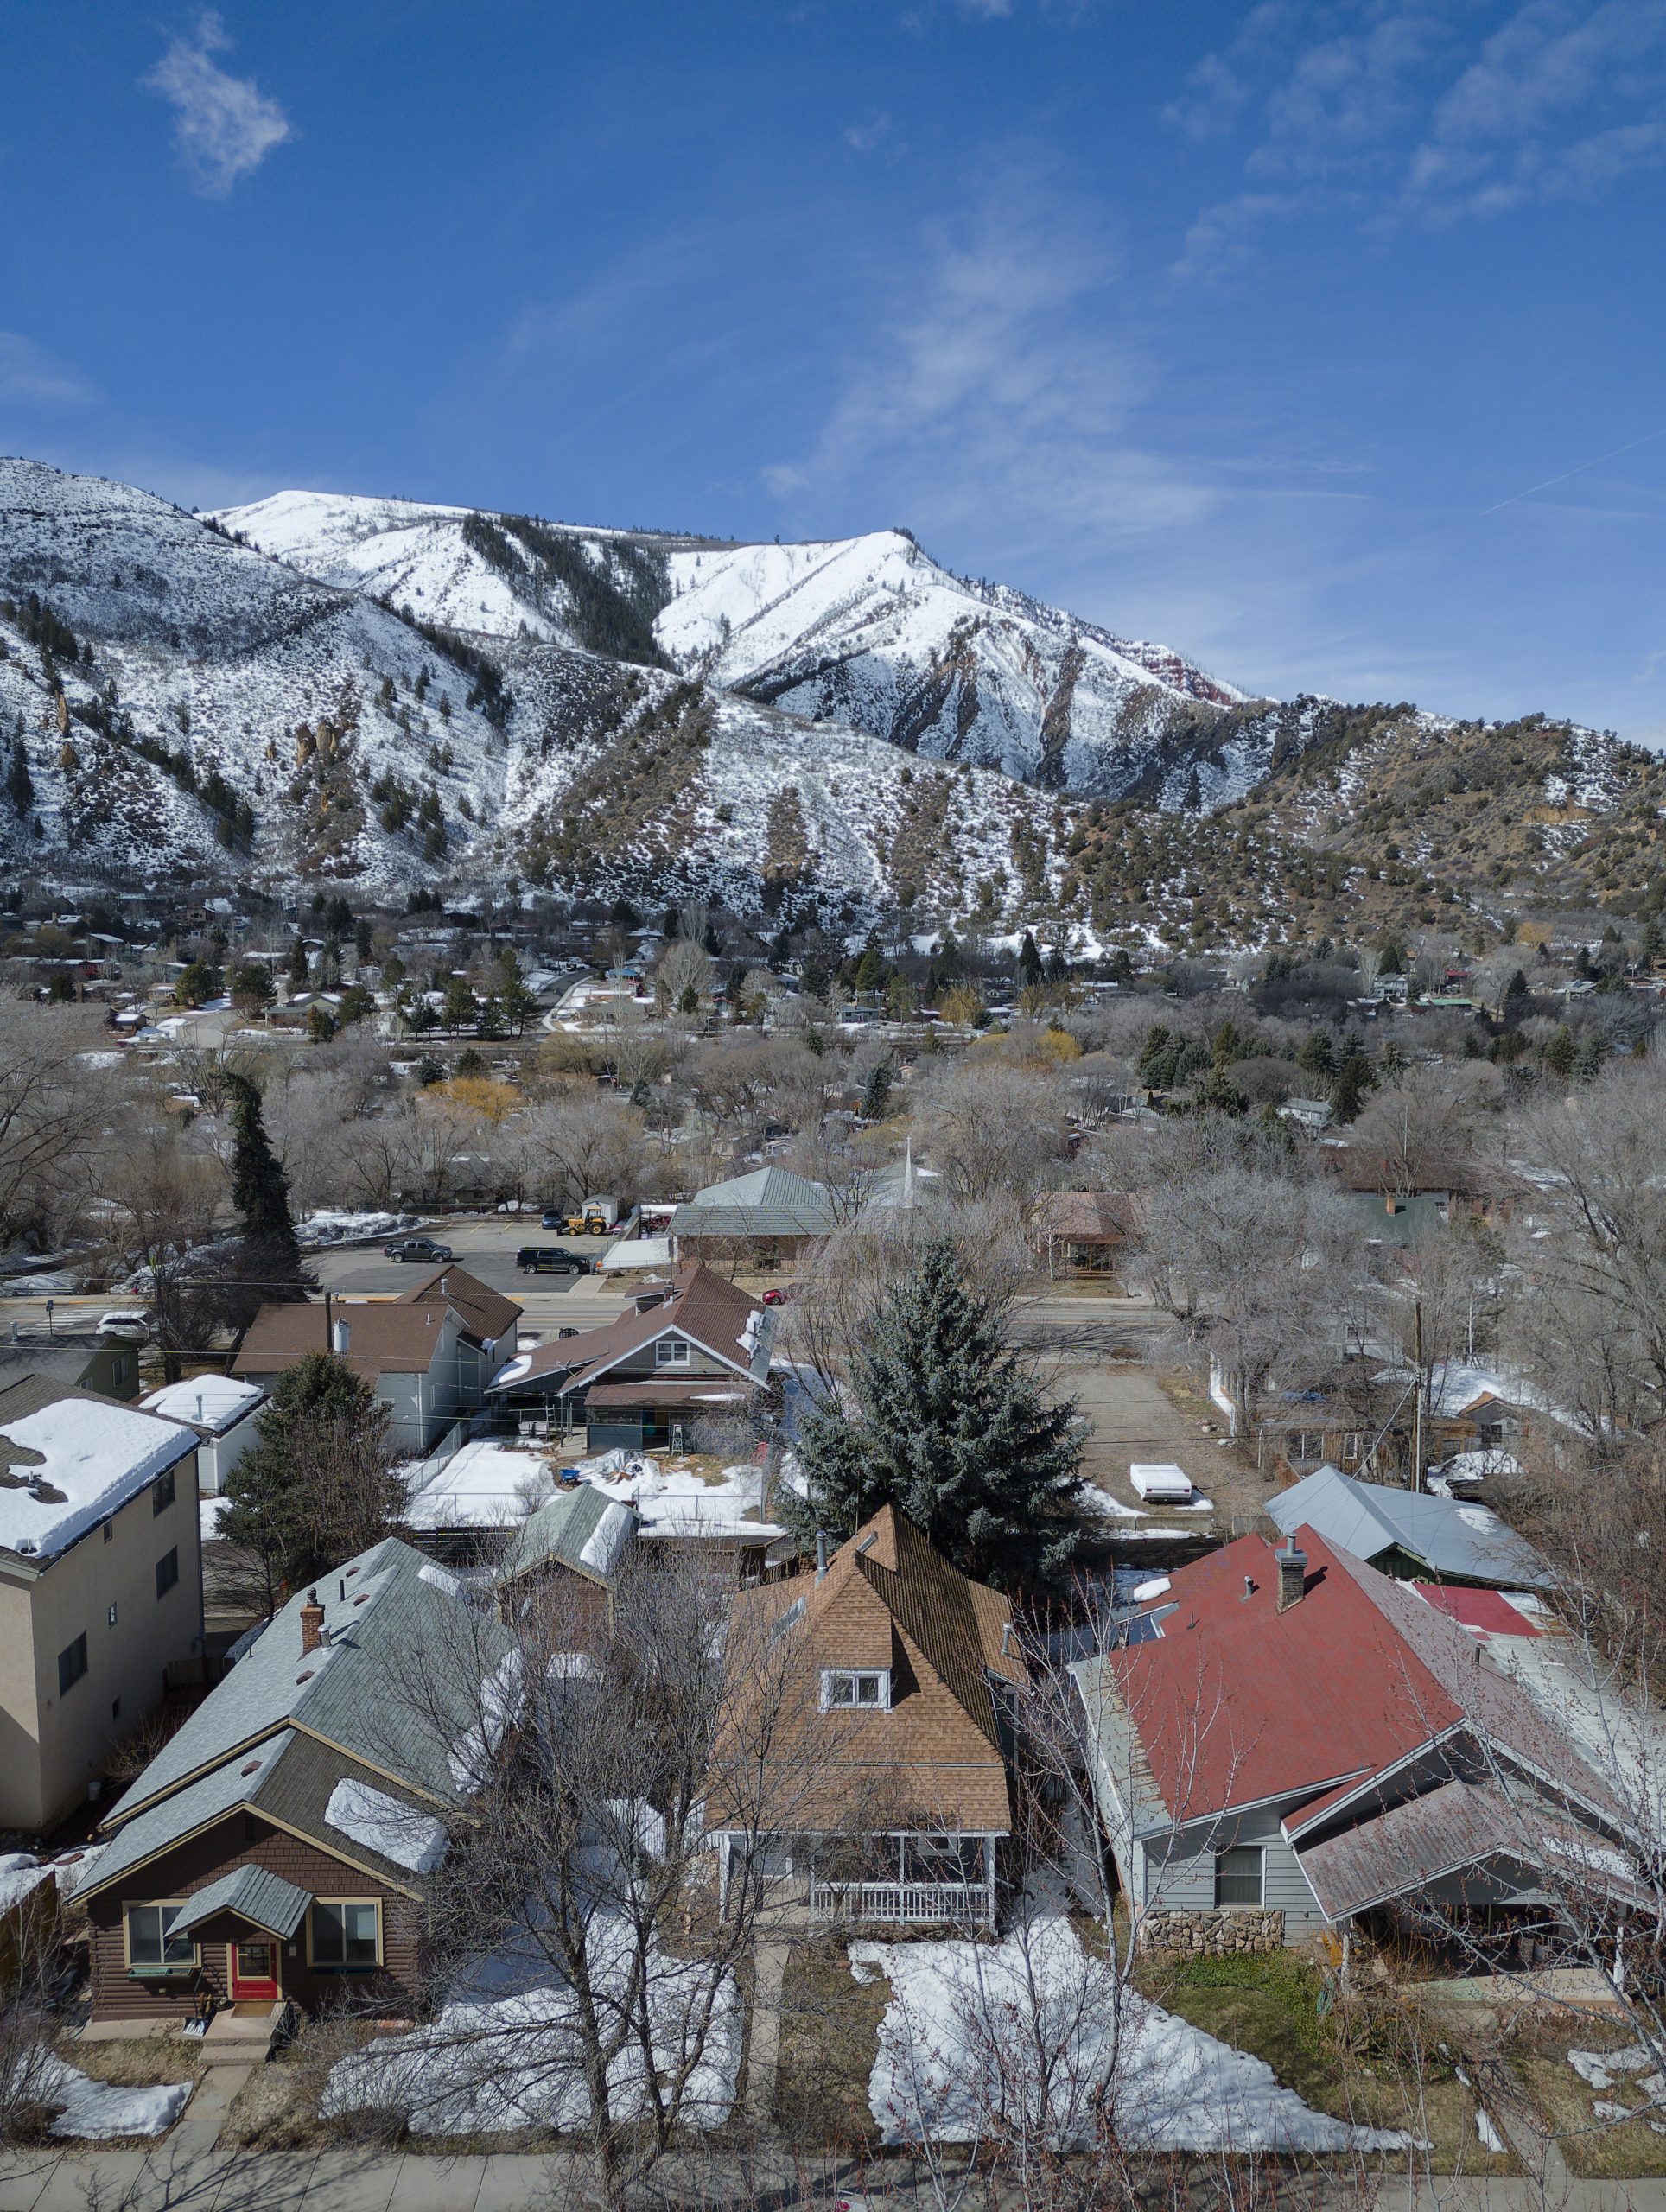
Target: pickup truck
{"x": 417, "y": 1248}
{"x": 552, "y": 1260}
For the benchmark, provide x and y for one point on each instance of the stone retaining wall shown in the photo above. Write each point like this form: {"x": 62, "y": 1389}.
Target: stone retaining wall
{"x": 1216, "y": 1932}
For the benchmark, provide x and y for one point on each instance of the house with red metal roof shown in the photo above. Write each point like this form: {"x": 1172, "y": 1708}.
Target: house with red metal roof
{"x": 1284, "y": 1731}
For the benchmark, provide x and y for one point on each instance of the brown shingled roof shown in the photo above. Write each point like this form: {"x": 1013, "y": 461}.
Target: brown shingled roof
{"x": 385, "y": 1339}
{"x": 702, "y": 1307}
{"x": 486, "y": 1313}
{"x": 889, "y": 1599}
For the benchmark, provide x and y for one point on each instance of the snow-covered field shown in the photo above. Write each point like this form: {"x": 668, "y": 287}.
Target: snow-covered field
{"x": 1030, "y": 2032}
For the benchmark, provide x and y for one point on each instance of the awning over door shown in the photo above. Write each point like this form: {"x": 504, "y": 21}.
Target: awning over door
{"x": 265, "y": 1900}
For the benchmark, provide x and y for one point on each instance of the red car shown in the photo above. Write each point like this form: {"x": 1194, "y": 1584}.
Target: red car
{"x": 781, "y": 1297}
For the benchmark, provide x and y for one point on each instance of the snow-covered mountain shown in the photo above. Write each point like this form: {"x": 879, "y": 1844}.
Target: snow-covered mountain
{"x": 174, "y": 700}
{"x": 865, "y": 631}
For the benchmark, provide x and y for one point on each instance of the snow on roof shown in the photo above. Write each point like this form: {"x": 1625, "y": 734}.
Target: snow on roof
{"x": 68, "y": 1465}
{"x": 215, "y": 1402}
{"x": 484, "y": 1485}
{"x": 607, "y": 1539}
{"x": 21, "y": 1874}
{"x": 635, "y": 1253}
{"x": 410, "y": 1839}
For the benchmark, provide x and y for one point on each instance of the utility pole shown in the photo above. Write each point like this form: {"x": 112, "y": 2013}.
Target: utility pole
{"x": 1417, "y": 1409}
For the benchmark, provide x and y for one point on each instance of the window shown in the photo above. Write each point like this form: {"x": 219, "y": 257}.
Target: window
{"x": 163, "y": 1495}
{"x": 1238, "y": 1874}
{"x": 71, "y": 1664}
{"x": 344, "y": 1936}
{"x": 110, "y": 1530}
{"x": 150, "y": 1948}
{"x": 110, "y": 1617}
{"x": 672, "y": 1351}
{"x": 115, "y": 1708}
{"x": 1353, "y": 1445}
{"x": 118, "y": 1368}
{"x": 869, "y": 1688}
{"x": 1305, "y": 1444}
{"x": 167, "y": 1571}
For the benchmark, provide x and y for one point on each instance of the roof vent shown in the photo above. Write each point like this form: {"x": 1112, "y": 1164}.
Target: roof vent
{"x": 341, "y": 1337}
{"x": 822, "y": 1544}
{"x": 1292, "y": 1574}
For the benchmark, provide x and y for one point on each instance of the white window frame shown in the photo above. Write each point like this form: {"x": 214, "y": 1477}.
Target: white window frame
{"x": 836, "y": 1680}
{"x": 1242, "y": 1904}
{"x": 672, "y": 1352}
{"x": 1353, "y": 1443}
{"x": 1297, "y": 1440}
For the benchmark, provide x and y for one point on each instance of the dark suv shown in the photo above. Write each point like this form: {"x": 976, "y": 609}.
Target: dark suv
{"x": 552, "y": 1260}
{"x": 417, "y": 1248}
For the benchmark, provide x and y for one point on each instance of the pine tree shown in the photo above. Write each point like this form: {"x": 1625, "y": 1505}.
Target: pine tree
{"x": 299, "y": 970}
{"x": 1353, "y": 1080}
{"x": 316, "y": 1486}
{"x": 946, "y": 1423}
{"x": 20, "y": 785}
{"x": 260, "y": 1192}
{"x": 876, "y": 1095}
{"x": 1029, "y": 963}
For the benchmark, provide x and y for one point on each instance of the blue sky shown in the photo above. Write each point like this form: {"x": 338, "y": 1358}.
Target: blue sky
{"x": 1321, "y": 339}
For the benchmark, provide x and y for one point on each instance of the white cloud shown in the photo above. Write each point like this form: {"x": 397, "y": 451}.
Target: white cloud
{"x": 32, "y": 377}
{"x": 867, "y": 135}
{"x": 1399, "y": 105}
{"x": 995, "y": 389}
{"x": 224, "y": 126}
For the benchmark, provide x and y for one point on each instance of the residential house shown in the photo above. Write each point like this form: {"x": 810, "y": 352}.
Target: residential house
{"x": 693, "y": 1353}
{"x": 888, "y": 1786}
{"x": 1410, "y": 1534}
{"x": 277, "y": 1847}
{"x": 1085, "y": 1231}
{"x": 83, "y": 1361}
{"x": 771, "y": 1214}
{"x": 1284, "y": 1733}
{"x": 100, "y": 1587}
{"x": 224, "y": 1415}
{"x": 428, "y": 1354}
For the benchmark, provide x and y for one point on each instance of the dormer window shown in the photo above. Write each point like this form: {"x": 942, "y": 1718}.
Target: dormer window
{"x": 865, "y": 1689}
{"x": 672, "y": 1351}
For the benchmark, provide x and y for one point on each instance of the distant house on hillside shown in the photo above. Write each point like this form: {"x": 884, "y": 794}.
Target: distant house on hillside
{"x": 428, "y": 1354}
{"x": 1286, "y": 1739}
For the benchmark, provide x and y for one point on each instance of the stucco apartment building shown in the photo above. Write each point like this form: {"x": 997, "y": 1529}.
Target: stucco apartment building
{"x": 100, "y": 1587}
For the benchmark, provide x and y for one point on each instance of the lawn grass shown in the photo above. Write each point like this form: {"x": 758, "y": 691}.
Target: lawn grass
{"x": 1595, "y": 2149}
{"x": 1360, "y": 2062}
{"x": 829, "y": 2039}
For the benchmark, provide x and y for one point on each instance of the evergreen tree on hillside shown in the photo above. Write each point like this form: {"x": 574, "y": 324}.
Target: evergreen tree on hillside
{"x": 1029, "y": 963}
{"x": 20, "y": 785}
{"x": 945, "y": 1423}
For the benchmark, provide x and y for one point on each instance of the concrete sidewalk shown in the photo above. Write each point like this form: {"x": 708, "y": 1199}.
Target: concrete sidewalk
{"x": 343, "y": 2180}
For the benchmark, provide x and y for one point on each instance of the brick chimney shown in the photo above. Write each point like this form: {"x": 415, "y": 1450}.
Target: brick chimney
{"x": 1292, "y": 1574}
{"x": 312, "y": 1624}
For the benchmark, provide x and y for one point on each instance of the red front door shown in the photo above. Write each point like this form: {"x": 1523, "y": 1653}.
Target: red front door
{"x": 254, "y": 1971}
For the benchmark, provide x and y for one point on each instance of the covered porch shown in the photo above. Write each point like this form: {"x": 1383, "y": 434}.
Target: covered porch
{"x": 899, "y": 1878}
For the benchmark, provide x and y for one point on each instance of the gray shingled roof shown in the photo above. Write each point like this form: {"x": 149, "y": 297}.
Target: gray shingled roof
{"x": 772, "y": 1202}
{"x": 255, "y": 1894}
{"x": 209, "y": 1798}
{"x": 385, "y": 1613}
{"x": 1461, "y": 1542}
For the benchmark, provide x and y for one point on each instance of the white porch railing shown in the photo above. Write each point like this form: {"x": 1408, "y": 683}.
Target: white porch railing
{"x": 901, "y": 1901}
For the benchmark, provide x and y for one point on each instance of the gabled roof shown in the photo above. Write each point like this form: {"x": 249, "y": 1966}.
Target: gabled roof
{"x": 889, "y": 1600}
{"x": 210, "y": 1403}
{"x": 581, "y": 1529}
{"x": 384, "y": 1337}
{"x": 486, "y": 1313}
{"x": 1088, "y": 1217}
{"x": 1454, "y": 1540}
{"x": 770, "y": 1202}
{"x": 710, "y": 1311}
{"x": 382, "y": 1611}
{"x": 1234, "y": 1703}
{"x": 265, "y": 1900}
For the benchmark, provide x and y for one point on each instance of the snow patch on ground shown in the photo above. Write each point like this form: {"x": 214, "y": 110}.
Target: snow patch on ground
{"x": 93, "y": 2112}
{"x": 958, "y": 2049}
